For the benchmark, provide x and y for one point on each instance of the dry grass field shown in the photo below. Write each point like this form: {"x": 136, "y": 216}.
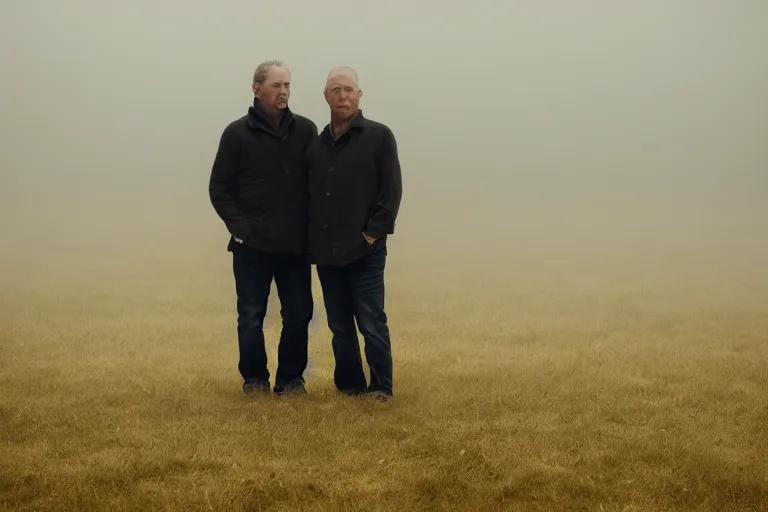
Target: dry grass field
{"x": 561, "y": 375}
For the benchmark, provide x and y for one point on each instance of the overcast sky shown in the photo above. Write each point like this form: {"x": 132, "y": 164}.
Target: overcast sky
{"x": 506, "y": 109}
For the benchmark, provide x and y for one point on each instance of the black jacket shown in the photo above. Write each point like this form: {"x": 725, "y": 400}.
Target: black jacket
{"x": 258, "y": 183}
{"x": 355, "y": 186}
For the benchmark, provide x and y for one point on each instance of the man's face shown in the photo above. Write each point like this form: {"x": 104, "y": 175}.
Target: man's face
{"x": 343, "y": 96}
{"x": 273, "y": 94}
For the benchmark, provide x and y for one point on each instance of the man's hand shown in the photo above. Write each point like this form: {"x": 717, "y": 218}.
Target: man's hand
{"x": 369, "y": 239}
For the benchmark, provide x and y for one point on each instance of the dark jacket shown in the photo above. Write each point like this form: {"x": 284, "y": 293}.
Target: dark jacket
{"x": 355, "y": 186}
{"x": 258, "y": 183}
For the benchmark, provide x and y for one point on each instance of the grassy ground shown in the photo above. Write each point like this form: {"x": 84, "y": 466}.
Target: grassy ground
{"x": 614, "y": 378}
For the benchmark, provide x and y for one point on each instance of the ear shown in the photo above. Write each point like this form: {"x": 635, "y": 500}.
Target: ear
{"x": 360, "y": 92}
{"x": 255, "y": 88}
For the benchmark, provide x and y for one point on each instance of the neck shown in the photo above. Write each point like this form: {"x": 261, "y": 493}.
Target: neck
{"x": 274, "y": 116}
{"x": 340, "y": 124}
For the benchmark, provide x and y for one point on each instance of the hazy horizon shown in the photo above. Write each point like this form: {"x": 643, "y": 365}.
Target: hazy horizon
{"x": 559, "y": 117}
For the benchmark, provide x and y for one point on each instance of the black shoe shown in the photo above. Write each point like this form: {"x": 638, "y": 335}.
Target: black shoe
{"x": 256, "y": 387}
{"x": 292, "y": 387}
{"x": 353, "y": 392}
{"x": 379, "y": 396}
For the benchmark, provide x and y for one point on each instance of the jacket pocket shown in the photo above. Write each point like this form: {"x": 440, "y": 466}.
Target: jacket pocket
{"x": 239, "y": 229}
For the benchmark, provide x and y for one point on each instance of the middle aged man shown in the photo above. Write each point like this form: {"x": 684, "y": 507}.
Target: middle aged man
{"x": 355, "y": 188}
{"x": 258, "y": 187}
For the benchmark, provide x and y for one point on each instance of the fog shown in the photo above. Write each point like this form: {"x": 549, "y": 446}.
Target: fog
{"x": 512, "y": 118}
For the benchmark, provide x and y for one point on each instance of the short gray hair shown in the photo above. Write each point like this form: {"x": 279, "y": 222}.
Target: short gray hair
{"x": 260, "y": 75}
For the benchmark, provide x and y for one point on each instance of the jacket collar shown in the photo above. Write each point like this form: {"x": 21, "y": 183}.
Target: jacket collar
{"x": 357, "y": 123}
{"x": 258, "y": 120}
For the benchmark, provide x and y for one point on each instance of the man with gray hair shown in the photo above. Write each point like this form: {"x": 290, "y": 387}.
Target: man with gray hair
{"x": 258, "y": 187}
{"x": 355, "y": 188}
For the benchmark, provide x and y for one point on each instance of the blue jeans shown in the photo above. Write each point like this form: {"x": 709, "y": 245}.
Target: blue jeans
{"x": 254, "y": 271}
{"x": 355, "y": 293}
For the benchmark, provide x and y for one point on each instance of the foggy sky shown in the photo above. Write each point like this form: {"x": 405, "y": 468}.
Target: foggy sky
{"x": 515, "y": 112}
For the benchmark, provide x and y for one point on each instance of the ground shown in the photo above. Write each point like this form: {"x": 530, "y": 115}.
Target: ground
{"x": 542, "y": 375}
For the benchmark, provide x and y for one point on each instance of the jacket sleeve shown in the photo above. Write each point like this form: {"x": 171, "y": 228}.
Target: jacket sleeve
{"x": 222, "y": 178}
{"x": 312, "y": 132}
{"x": 382, "y": 221}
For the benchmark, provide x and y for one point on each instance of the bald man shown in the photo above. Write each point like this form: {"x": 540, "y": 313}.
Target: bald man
{"x": 355, "y": 188}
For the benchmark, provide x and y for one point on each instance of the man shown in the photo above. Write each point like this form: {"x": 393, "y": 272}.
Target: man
{"x": 258, "y": 187}
{"x": 355, "y": 190}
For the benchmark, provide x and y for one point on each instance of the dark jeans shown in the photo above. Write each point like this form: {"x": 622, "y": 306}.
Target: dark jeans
{"x": 355, "y": 292}
{"x": 254, "y": 271}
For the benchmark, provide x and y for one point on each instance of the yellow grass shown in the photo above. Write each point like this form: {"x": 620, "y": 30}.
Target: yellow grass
{"x": 590, "y": 376}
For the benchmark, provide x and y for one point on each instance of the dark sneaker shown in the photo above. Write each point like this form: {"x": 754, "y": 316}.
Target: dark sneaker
{"x": 292, "y": 387}
{"x": 256, "y": 387}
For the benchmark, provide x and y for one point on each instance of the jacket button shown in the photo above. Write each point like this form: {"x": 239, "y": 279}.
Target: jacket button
{"x": 327, "y": 193}
{"x": 325, "y": 226}
{"x": 332, "y": 168}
